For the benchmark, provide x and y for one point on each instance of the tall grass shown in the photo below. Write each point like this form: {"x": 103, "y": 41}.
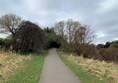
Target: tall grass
{"x": 16, "y": 68}
{"x": 105, "y": 72}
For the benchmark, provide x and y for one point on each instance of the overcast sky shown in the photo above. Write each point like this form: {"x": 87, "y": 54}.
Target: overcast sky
{"x": 101, "y": 15}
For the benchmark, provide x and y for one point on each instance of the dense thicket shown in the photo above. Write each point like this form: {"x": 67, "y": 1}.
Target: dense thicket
{"x": 29, "y": 37}
{"x": 109, "y": 51}
{"x": 53, "y": 38}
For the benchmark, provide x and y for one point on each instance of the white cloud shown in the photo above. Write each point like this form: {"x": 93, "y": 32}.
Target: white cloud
{"x": 100, "y": 35}
{"x": 32, "y": 6}
{"x": 107, "y": 6}
{"x": 115, "y": 38}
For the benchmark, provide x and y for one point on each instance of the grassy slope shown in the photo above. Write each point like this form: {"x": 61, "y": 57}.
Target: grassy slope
{"x": 28, "y": 68}
{"x": 84, "y": 76}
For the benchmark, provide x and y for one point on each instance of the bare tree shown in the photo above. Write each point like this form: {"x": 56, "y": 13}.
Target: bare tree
{"x": 9, "y": 23}
{"x": 84, "y": 35}
{"x": 78, "y": 37}
{"x": 59, "y": 28}
{"x": 71, "y": 27}
{"x": 83, "y": 39}
{"x": 67, "y": 29}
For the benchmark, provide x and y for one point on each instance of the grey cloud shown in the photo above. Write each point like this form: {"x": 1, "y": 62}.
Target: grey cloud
{"x": 47, "y": 12}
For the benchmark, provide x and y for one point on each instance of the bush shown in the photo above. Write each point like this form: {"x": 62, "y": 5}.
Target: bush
{"x": 6, "y": 44}
{"x": 2, "y": 43}
{"x": 29, "y": 38}
{"x": 101, "y": 51}
{"x": 109, "y": 54}
{"x": 86, "y": 50}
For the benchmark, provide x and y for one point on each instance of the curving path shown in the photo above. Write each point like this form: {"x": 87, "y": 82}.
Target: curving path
{"x": 55, "y": 71}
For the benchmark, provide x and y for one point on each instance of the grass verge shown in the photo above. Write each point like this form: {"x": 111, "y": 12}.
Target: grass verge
{"x": 88, "y": 70}
{"x": 21, "y": 68}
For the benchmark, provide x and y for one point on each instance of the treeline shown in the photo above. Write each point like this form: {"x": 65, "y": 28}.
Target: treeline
{"x": 68, "y": 35}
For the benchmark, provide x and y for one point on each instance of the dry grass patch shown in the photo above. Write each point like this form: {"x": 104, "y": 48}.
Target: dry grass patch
{"x": 9, "y": 62}
{"x": 101, "y": 69}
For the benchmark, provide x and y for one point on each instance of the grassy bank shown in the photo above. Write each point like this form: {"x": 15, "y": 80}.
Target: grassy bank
{"x": 91, "y": 71}
{"x": 17, "y": 68}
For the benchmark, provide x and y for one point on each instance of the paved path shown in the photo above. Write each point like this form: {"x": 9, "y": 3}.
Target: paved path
{"x": 55, "y": 71}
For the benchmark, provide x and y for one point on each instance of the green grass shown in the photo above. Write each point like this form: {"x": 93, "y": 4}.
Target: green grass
{"x": 30, "y": 70}
{"x": 84, "y": 76}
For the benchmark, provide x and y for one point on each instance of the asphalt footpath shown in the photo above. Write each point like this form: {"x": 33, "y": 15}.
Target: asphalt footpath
{"x": 55, "y": 71}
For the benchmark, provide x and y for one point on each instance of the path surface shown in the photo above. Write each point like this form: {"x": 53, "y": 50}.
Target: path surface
{"x": 55, "y": 71}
